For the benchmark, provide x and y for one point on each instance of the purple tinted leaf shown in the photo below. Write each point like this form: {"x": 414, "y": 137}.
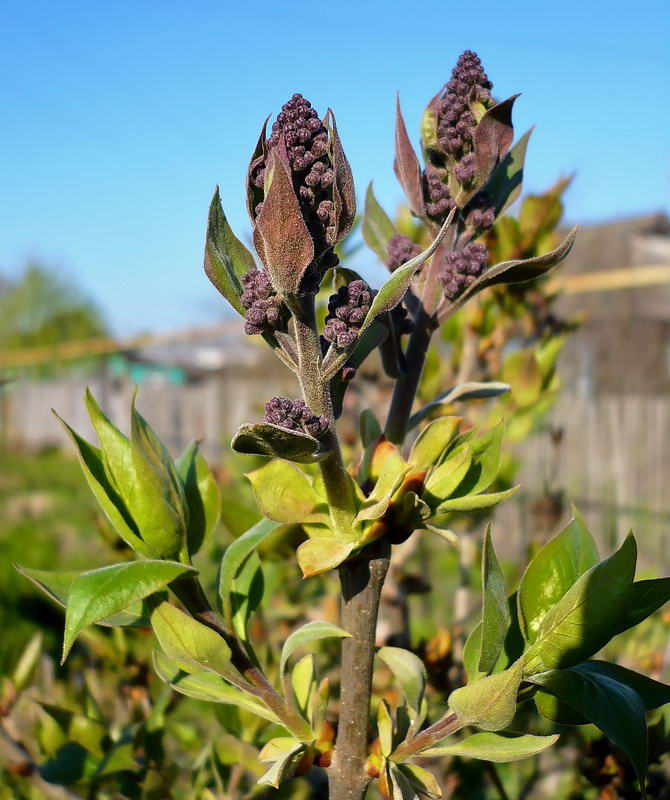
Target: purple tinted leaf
{"x": 406, "y": 166}
{"x": 493, "y": 138}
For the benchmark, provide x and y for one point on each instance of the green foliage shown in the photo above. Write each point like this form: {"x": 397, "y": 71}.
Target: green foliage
{"x": 495, "y": 747}
{"x": 535, "y": 644}
{"x": 42, "y": 309}
{"x": 495, "y": 612}
{"x": 99, "y": 594}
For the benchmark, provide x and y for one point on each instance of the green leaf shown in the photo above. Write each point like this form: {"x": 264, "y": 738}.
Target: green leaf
{"x": 304, "y": 685}
{"x": 553, "y": 570}
{"x": 555, "y": 710}
{"x": 610, "y": 705}
{"x": 421, "y": 780}
{"x": 115, "y": 448}
{"x": 226, "y": 258}
{"x": 460, "y": 393}
{"x": 28, "y": 660}
{"x": 390, "y": 477}
{"x": 234, "y": 557}
{"x": 377, "y": 228}
{"x": 100, "y": 593}
{"x": 511, "y": 651}
{"x": 90, "y": 460}
{"x": 401, "y": 788}
{"x": 504, "y": 185}
{"x": 277, "y": 748}
{"x": 652, "y": 693}
{"x": 489, "y": 703}
{"x": 385, "y": 728}
{"x": 447, "y": 477}
{"x": 285, "y": 494}
{"x": 433, "y": 441}
{"x": 284, "y": 767}
{"x": 476, "y": 502}
{"x": 207, "y": 686}
{"x": 273, "y": 441}
{"x": 397, "y": 284}
{"x": 319, "y": 555}
{"x": 190, "y": 642}
{"x": 517, "y": 271}
{"x": 495, "y": 614}
{"x": 156, "y": 498}
{"x": 486, "y": 455}
{"x": 495, "y": 747}
{"x": 57, "y": 585}
{"x": 87, "y": 732}
{"x": 247, "y": 593}
{"x": 410, "y": 673}
{"x": 586, "y": 617}
{"x": 311, "y": 632}
{"x": 369, "y": 427}
{"x": 646, "y": 597}
{"x": 203, "y": 496}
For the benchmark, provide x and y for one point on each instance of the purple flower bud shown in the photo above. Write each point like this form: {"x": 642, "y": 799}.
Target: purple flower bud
{"x": 480, "y": 212}
{"x": 456, "y": 110}
{"x": 438, "y": 200}
{"x": 347, "y": 310}
{"x": 465, "y": 168}
{"x": 461, "y": 268}
{"x": 294, "y": 415}
{"x": 320, "y": 177}
{"x": 400, "y": 250}
{"x": 264, "y": 311}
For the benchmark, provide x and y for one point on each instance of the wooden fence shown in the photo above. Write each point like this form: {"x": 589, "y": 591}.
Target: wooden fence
{"x": 608, "y": 454}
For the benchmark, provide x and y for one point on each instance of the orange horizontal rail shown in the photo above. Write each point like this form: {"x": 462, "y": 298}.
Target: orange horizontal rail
{"x": 603, "y": 281}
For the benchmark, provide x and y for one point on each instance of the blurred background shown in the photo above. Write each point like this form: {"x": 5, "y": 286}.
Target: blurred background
{"x": 118, "y": 120}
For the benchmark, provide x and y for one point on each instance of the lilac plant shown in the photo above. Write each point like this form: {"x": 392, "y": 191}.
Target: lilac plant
{"x": 416, "y": 472}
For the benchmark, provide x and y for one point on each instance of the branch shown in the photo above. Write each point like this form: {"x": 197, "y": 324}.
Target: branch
{"x": 190, "y": 592}
{"x": 362, "y": 583}
{"x": 405, "y": 388}
{"x": 448, "y": 724}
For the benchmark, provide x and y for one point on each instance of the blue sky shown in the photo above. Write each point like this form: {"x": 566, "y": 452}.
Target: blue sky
{"x": 117, "y": 119}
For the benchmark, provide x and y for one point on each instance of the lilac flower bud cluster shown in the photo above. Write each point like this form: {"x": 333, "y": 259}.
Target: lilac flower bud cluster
{"x": 438, "y": 200}
{"x": 456, "y": 122}
{"x": 306, "y": 141}
{"x": 347, "y": 309}
{"x": 461, "y": 268}
{"x": 400, "y": 250}
{"x": 263, "y": 308}
{"x": 480, "y": 213}
{"x": 294, "y": 415}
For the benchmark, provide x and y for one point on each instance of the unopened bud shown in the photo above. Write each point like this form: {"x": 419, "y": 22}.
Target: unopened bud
{"x": 400, "y": 250}
{"x": 294, "y": 415}
{"x": 461, "y": 268}
{"x": 347, "y": 310}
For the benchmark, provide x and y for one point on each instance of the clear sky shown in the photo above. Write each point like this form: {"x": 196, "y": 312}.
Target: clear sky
{"x": 118, "y": 118}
